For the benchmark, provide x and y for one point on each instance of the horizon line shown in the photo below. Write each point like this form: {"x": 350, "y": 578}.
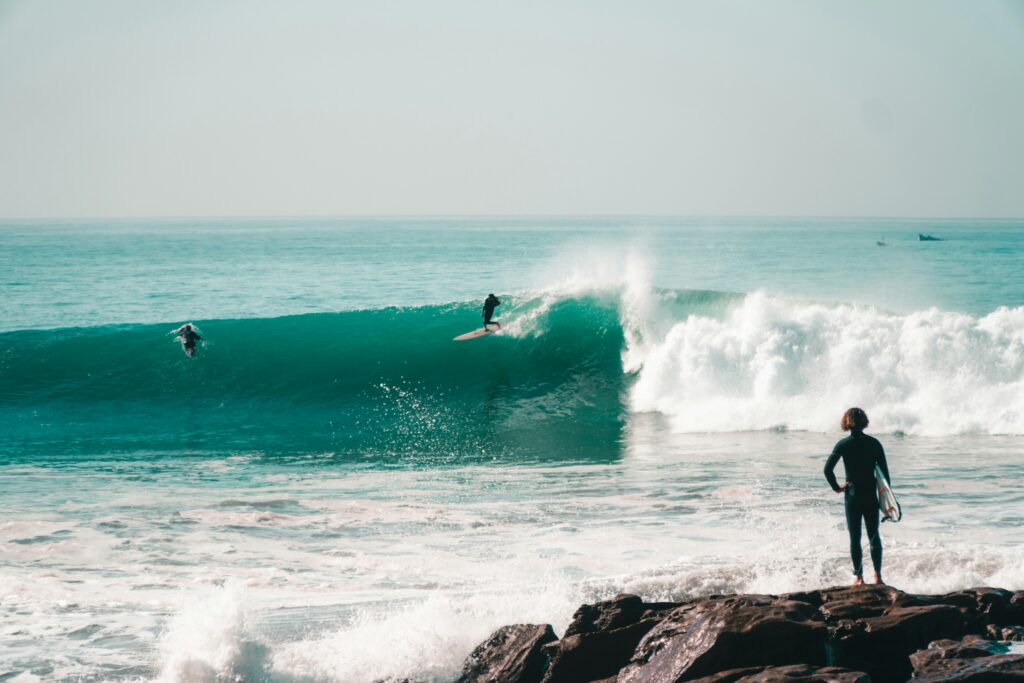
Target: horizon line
{"x": 468, "y": 216}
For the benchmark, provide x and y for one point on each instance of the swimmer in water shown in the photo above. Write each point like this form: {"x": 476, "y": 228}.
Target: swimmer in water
{"x": 189, "y": 336}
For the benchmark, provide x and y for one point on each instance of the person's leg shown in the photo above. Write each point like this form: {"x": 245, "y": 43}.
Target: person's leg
{"x": 853, "y": 516}
{"x": 871, "y": 513}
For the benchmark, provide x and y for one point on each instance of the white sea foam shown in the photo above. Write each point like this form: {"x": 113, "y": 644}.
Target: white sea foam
{"x": 760, "y": 362}
{"x": 620, "y": 277}
{"x": 772, "y": 363}
{"x": 426, "y": 641}
{"x": 207, "y": 641}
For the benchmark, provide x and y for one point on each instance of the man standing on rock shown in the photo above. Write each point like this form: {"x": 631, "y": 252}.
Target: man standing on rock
{"x": 860, "y": 454}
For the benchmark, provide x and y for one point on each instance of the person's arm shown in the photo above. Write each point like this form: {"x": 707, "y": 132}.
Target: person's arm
{"x": 882, "y": 464}
{"x": 830, "y": 474}
{"x": 197, "y": 336}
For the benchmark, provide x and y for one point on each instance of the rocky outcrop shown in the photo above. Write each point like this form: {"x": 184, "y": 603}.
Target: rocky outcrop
{"x": 847, "y": 635}
{"x": 513, "y": 654}
{"x": 1008, "y": 633}
{"x": 970, "y": 659}
{"x": 602, "y": 637}
{"x": 713, "y": 635}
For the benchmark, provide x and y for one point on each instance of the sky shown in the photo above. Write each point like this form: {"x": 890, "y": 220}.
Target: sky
{"x": 115, "y": 108}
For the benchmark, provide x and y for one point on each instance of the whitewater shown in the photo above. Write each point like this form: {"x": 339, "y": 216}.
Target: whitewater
{"x": 334, "y": 490}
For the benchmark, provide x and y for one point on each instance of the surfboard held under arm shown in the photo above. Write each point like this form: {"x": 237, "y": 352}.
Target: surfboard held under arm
{"x": 479, "y": 332}
{"x": 887, "y": 502}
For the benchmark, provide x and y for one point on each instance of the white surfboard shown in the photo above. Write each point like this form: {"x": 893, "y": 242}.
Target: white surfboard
{"x": 887, "y": 502}
{"x": 479, "y": 332}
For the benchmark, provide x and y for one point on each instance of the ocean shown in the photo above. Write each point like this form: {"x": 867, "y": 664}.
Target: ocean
{"x": 334, "y": 490}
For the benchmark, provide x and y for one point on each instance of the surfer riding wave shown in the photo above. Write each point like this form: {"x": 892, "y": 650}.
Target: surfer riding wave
{"x": 489, "y": 305}
{"x": 860, "y": 454}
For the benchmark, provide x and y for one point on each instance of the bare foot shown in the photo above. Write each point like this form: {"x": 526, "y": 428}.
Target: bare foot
{"x": 878, "y": 579}
{"x": 859, "y": 581}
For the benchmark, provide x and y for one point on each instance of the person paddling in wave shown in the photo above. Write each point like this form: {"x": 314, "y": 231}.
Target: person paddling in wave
{"x": 860, "y": 454}
{"x": 188, "y": 335}
{"x": 489, "y": 305}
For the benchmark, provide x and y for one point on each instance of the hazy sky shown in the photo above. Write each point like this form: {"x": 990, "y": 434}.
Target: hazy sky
{"x": 185, "y": 108}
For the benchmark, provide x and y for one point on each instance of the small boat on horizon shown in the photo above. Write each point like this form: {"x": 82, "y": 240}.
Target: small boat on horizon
{"x": 921, "y": 237}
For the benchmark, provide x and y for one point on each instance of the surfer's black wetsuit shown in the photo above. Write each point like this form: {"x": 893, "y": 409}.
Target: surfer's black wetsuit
{"x": 860, "y": 454}
{"x": 489, "y": 305}
{"x": 189, "y": 337}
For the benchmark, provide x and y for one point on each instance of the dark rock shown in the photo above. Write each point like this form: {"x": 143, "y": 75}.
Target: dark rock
{"x": 601, "y": 638}
{"x": 1011, "y": 613}
{"x": 881, "y": 646}
{"x": 810, "y": 597}
{"x": 989, "y": 601}
{"x": 844, "y": 593}
{"x": 513, "y": 654}
{"x": 1009, "y": 633}
{"x": 708, "y": 636}
{"x": 594, "y": 656}
{"x": 858, "y": 602}
{"x": 794, "y": 672}
{"x": 622, "y": 610}
{"x": 985, "y": 603}
{"x": 867, "y": 630}
{"x": 971, "y": 659}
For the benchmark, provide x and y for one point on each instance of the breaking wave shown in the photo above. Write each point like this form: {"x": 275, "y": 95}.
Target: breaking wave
{"x": 561, "y": 380}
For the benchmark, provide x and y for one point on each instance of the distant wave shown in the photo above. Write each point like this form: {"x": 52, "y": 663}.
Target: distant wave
{"x": 572, "y": 364}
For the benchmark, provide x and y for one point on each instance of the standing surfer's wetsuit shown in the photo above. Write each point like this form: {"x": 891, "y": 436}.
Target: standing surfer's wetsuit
{"x": 189, "y": 337}
{"x": 489, "y": 305}
{"x": 860, "y": 454}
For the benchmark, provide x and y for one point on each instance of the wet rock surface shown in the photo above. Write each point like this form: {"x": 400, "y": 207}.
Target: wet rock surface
{"x": 601, "y": 637}
{"x": 713, "y": 635}
{"x": 513, "y": 654}
{"x": 804, "y": 673}
{"x": 970, "y": 659}
{"x": 847, "y": 635}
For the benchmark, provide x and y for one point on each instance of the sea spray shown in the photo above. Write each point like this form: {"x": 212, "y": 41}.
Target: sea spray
{"x": 770, "y": 362}
{"x": 207, "y": 641}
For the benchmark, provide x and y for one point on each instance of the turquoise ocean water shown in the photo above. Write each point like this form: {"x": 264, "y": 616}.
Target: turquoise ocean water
{"x": 334, "y": 490}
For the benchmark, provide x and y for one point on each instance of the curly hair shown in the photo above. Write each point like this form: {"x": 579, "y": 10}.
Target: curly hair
{"x": 854, "y": 419}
